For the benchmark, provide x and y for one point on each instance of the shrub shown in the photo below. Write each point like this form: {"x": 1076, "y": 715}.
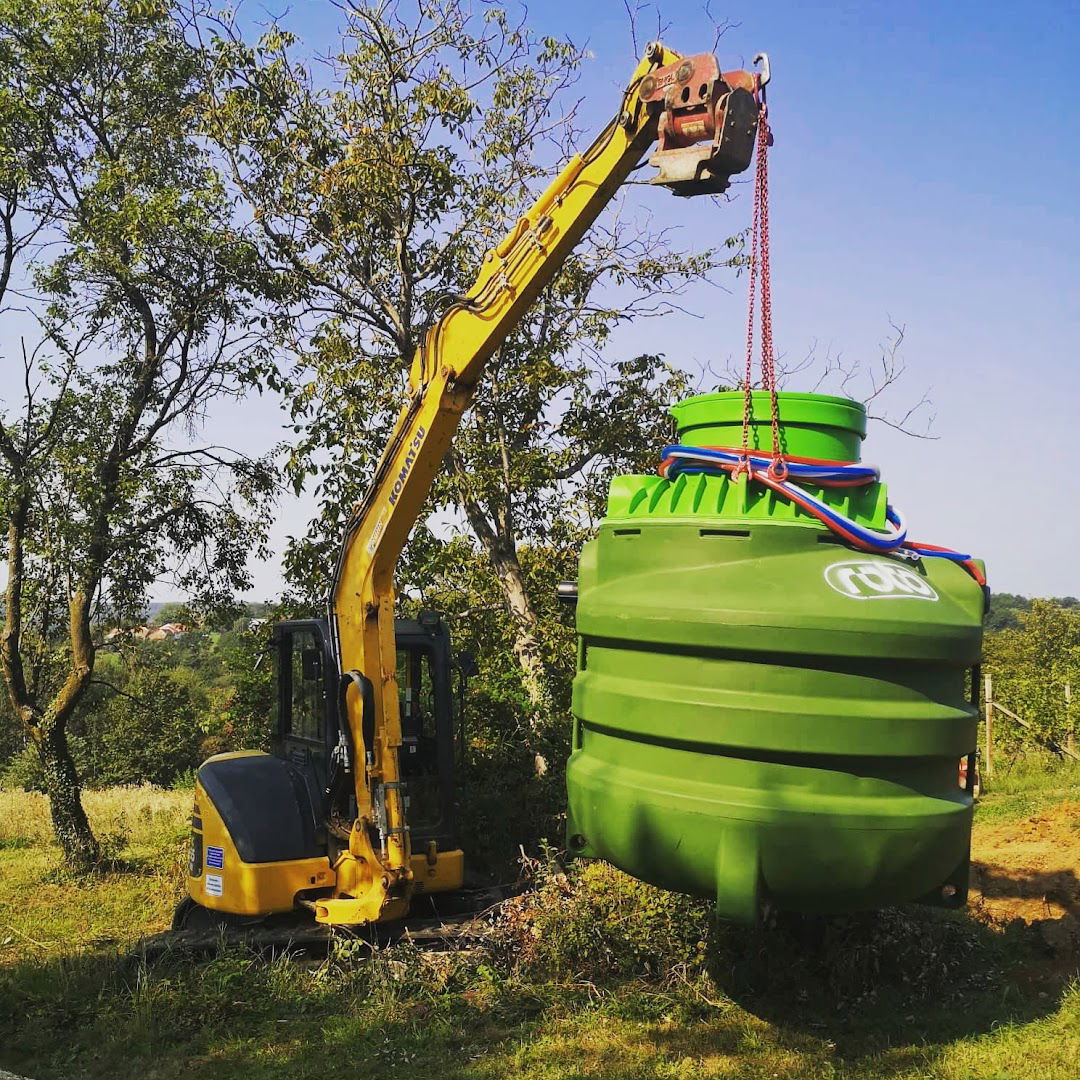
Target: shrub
{"x": 148, "y": 733}
{"x": 241, "y": 712}
{"x": 596, "y": 923}
{"x": 23, "y": 771}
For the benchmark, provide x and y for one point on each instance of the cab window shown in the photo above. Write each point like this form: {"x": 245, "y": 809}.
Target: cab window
{"x": 420, "y": 741}
{"x": 306, "y": 714}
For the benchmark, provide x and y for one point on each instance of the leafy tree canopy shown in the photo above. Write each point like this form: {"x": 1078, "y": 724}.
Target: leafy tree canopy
{"x": 1032, "y": 664}
{"x": 121, "y": 236}
{"x": 376, "y": 200}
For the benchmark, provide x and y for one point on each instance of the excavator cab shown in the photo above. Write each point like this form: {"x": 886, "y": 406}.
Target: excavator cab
{"x": 308, "y": 727}
{"x": 305, "y": 721}
{"x": 267, "y": 828}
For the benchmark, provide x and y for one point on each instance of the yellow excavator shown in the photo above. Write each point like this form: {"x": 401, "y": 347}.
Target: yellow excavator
{"x": 352, "y": 815}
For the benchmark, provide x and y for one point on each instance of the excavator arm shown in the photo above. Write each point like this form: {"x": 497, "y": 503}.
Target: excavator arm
{"x": 705, "y": 123}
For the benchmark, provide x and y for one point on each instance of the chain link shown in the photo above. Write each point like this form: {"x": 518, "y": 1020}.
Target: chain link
{"x": 748, "y": 380}
{"x": 760, "y": 269}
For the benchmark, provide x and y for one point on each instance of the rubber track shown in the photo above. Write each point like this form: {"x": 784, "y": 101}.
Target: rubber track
{"x": 460, "y": 923}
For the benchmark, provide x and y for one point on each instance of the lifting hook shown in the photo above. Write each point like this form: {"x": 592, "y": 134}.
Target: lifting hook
{"x": 765, "y": 76}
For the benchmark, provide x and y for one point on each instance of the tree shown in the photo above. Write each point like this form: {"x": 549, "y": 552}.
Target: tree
{"x": 376, "y": 202}
{"x": 509, "y": 800}
{"x": 1006, "y": 610}
{"x": 1032, "y": 665}
{"x": 245, "y": 692}
{"x": 151, "y": 729}
{"x": 173, "y": 612}
{"x": 120, "y": 243}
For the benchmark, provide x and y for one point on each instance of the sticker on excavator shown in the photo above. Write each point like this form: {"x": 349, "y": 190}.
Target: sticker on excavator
{"x": 215, "y": 858}
{"x": 214, "y": 885}
{"x": 406, "y": 468}
{"x": 377, "y": 531}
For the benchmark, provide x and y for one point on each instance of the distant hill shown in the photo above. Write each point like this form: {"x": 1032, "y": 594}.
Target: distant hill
{"x": 1005, "y": 609}
{"x": 255, "y": 609}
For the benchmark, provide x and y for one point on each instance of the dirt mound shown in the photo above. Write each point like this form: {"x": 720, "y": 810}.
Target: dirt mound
{"x": 1030, "y": 870}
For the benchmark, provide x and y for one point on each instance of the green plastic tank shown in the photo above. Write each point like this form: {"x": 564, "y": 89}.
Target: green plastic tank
{"x": 763, "y": 714}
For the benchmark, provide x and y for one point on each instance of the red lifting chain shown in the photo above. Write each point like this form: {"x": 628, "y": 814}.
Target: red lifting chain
{"x": 760, "y": 270}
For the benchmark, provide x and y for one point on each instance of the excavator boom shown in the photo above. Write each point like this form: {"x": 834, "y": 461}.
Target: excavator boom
{"x": 684, "y": 102}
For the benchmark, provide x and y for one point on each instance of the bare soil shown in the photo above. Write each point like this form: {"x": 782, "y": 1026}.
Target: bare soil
{"x": 1030, "y": 870}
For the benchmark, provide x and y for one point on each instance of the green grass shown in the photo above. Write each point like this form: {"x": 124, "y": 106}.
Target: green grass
{"x": 234, "y": 1017}
{"x": 597, "y": 976}
{"x": 1026, "y": 785}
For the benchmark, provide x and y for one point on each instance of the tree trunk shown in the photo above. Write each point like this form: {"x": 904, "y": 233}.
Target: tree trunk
{"x": 526, "y": 643}
{"x": 501, "y": 551}
{"x": 70, "y": 823}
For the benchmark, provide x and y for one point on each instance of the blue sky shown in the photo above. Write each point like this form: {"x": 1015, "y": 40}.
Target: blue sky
{"x": 926, "y": 170}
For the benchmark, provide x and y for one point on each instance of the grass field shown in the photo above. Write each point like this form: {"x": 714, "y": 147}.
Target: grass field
{"x": 594, "y": 977}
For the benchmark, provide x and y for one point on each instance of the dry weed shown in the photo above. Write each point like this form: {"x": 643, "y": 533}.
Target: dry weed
{"x": 138, "y": 813}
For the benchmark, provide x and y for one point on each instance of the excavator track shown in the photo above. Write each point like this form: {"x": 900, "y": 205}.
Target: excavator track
{"x": 448, "y": 922}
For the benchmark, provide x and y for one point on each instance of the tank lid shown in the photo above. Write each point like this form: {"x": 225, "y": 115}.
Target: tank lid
{"x": 726, "y": 407}
{"x": 815, "y": 425}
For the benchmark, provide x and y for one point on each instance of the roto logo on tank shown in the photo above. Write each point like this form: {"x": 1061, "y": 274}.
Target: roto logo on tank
{"x": 406, "y": 468}
{"x": 878, "y": 580}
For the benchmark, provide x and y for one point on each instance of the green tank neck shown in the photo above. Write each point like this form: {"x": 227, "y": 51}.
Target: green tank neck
{"x": 811, "y": 425}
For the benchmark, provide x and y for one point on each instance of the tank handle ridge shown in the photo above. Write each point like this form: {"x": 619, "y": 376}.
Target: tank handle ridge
{"x": 733, "y": 462}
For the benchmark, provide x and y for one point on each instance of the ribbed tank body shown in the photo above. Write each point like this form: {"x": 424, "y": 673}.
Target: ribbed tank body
{"x": 763, "y": 714}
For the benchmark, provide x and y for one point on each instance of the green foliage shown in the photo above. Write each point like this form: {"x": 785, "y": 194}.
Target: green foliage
{"x": 243, "y": 692}
{"x": 157, "y": 709}
{"x": 1027, "y": 781}
{"x": 175, "y": 703}
{"x": 174, "y": 613}
{"x": 149, "y": 730}
{"x": 599, "y": 924}
{"x": 117, "y": 223}
{"x": 22, "y": 770}
{"x": 506, "y": 801}
{"x": 12, "y": 737}
{"x": 377, "y": 200}
{"x": 146, "y": 271}
{"x": 1005, "y": 611}
{"x": 1031, "y": 667}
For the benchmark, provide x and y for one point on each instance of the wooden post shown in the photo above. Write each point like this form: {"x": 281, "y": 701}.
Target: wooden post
{"x": 1068, "y": 718}
{"x": 989, "y": 698}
